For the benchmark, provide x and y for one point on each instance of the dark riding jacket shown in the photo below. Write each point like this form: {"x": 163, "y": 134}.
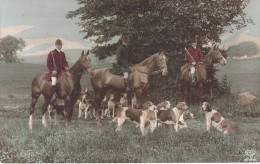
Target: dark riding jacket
{"x": 123, "y": 61}
{"x": 60, "y": 61}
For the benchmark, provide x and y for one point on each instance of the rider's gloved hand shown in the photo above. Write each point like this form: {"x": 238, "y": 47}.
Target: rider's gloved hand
{"x": 193, "y": 63}
{"x": 66, "y": 68}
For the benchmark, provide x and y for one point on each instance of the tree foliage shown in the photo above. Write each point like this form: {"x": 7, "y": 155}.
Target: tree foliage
{"x": 158, "y": 24}
{"x": 9, "y": 46}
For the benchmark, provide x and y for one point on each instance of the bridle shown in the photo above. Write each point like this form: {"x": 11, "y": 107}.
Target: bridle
{"x": 85, "y": 70}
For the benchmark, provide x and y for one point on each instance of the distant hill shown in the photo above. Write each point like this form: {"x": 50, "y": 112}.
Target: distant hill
{"x": 71, "y": 56}
{"x": 243, "y": 49}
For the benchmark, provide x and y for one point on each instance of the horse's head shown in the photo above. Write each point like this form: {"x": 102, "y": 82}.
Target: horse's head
{"x": 216, "y": 56}
{"x": 162, "y": 63}
{"x": 85, "y": 62}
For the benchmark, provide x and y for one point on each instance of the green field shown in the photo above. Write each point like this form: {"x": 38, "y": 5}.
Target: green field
{"x": 84, "y": 141}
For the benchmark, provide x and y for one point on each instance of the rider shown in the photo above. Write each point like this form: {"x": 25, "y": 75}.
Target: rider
{"x": 193, "y": 58}
{"x": 57, "y": 67}
{"x": 123, "y": 60}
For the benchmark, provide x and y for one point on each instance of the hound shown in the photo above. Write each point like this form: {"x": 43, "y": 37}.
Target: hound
{"x": 133, "y": 100}
{"x": 174, "y": 115}
{"x": 82, "y": 102}
{"x": 90, "y": 108}
{"x": 123, "y": 100}
{"x": 147, "y": 117}
{"x": 214, "y": 119}
{"x": 54, "y": 111}
{"x": 110, "y": 106}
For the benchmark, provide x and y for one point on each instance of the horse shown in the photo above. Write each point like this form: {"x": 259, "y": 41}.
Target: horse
{"x": 203, "y": 74}
{"x": 102, "y": 80}
{"x": 68, "y": 89}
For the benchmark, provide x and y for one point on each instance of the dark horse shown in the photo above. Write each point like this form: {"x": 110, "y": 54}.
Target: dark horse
{"x": 102, "y": 80}
{"x": 68, "y": 89}
{"x": 203, "y": 74}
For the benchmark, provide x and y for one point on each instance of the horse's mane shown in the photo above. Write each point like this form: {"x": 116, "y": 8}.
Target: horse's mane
{"x": 145, "y": 61}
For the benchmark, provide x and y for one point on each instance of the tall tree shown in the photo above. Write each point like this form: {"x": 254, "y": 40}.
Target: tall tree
{"x": 9, "y": 46}
{"x": 158, "y": 24}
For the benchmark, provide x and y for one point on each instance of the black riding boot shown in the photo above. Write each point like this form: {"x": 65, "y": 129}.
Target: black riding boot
{"x": 127, "y": 84}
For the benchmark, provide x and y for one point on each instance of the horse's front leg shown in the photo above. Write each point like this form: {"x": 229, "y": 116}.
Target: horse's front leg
{"x": 68, "y": 111}
{"x": 44, "y": 110}
{"x": 200, "y": 88}
{"x": 139, "y": 99}
{"x": 186, "y": 93}
{"x": 181, "y": 93}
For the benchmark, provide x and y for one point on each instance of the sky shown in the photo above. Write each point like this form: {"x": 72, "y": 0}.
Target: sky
{"x": 41, "y": 22}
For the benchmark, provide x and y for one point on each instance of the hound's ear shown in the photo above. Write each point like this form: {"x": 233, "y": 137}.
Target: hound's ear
{"x": 209, "y": 109}
{"x": 146, "y": 105}
{"x": 87, "y": 53}
{"x": 82, "y": 53}
{"x": 179, "y": 105}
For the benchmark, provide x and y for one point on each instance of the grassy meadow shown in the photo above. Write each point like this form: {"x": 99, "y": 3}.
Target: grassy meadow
{"x": 84, "y": 141}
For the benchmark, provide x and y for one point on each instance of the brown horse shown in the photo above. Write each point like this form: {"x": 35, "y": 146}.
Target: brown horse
{"x": 203, "y": 74}
{"x": 102, "y": 80}
{"x": 68, "y": 88}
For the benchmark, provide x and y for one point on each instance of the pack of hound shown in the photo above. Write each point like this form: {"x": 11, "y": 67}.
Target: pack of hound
{"x": 150, "y": 117}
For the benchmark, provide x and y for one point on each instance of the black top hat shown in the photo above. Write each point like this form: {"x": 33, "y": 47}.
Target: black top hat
{"x": 58, "y": 42}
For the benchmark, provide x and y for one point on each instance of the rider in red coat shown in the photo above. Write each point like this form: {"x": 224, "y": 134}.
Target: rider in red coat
{"x": 56, "y": 69}
{"x": 196, "y": 58}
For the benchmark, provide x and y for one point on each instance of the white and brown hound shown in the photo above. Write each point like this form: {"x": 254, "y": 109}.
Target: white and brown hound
{"x": 146, "y": 117}
{"x": 133, "y": 100}
{"x": 176, "y": 116}
{"x": 214, "y": 119}
{"x": 110, "y": 106}
{"x": 123, "y": 100}
{"x": 82, "y": 102}
{"x": 54, "y": 111}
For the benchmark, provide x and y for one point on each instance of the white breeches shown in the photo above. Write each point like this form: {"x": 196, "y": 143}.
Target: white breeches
{"x": 192, "y": 70}
{"x": 125, "y": 75}
{"x": 53, "y": 80}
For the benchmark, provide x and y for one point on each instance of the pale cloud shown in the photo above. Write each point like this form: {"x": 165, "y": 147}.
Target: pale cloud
{"x": 67, "y": 44}
{"x": 224, "y": 37}
{"x": 13, "y": 30}
{"x": 244, "y": 37}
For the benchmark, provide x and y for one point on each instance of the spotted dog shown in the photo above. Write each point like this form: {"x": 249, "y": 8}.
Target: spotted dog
{"x": 82, "y": 102}
{"x": 214, "y": 119}
{"x": 110, "y": 106}
{"x": 176, "y": 116}
{"x": 146, "y": 117}
{"x": 54, "y": 111}
{"x": 123, "y": 100}
{"x": 133, "y": 100}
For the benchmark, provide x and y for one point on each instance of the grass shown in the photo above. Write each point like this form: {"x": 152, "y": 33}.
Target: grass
{"x": 85, "y": 142}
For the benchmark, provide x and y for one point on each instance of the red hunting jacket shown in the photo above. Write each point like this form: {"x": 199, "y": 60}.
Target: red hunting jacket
{"x": 60, "y": 61}
{"x": 196, "y": 54}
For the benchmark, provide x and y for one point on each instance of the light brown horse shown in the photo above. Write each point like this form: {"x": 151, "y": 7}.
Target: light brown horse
{"x": 203, "y": 74}
{"x": 68, "y": 89}
{"x": 102, "y": 80}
